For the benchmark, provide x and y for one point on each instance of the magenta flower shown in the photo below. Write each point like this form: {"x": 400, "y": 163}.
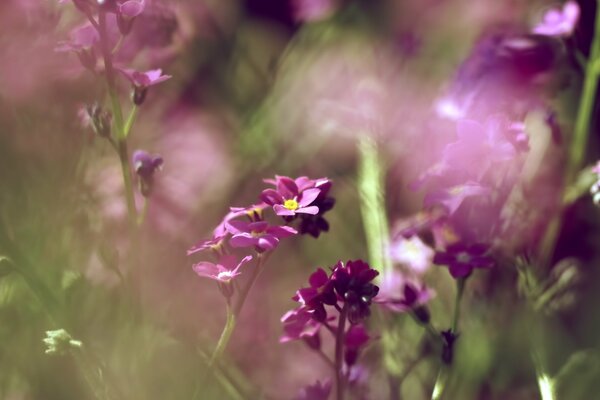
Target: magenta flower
{"x": 145, "y": 165}
{"x": 300, "y": 324}
{"x": 259, "y": 234}
{"x": 317, "y": 295}
{"x": 452, "y": 198}
{"x": 398, "y": 294}
{"x": 479, "y": 145}
{"x": 141, "y": 81}
{"x": 82, "y": 41}
{"x": 211, "y": 244}
{"x": 352, "y": 283}
{"x": 126, "y": 13}
{"x": 315, "y": 224}
{"x": 291, "y": 196}
{"x": 559, "y": 22}
{"x": 316, "y": 391}
{"x": 223, "y": 271}
{"x": 355, "y": 339}
{"x": 461, "y": 259}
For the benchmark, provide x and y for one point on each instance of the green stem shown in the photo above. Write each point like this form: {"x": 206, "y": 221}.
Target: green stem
{"x": 120, "y": 132}
{"x": 232, "y": 316}
{"x": 444, "y": 373}
{"x": 372, "y": 203}
{"x": 580, "y": 137}
{"x": 460, "y": 288}
{"x": 339, "y": 352}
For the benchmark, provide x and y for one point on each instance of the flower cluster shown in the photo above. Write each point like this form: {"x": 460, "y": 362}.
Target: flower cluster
{"x": 247, "y": 228}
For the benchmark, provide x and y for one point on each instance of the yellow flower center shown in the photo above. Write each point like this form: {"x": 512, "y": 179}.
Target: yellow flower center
{"x": 291, "y": 204}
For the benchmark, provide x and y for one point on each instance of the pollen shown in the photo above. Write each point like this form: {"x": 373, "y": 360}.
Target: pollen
{"x": 291, "y": 204}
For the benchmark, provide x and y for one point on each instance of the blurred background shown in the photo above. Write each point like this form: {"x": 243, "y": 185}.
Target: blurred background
{"x": 259, "y": 87}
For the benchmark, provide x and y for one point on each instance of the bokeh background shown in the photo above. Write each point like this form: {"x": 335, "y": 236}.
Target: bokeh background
{"x": 259, "y": 88}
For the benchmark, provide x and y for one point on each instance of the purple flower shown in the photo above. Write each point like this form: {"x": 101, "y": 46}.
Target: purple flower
{"x": 461, "y": 259}
{"x": 559, "y": 22}
{"x": 452, "y": 198}
{"x": 224, "y": 270}
{"x": 479, "y": 145}
{"x": 317, "y": 295}
{"x": 398, "y": 294}
{"x": 315, "y": 224}
{"x": 126, "y": 13}
{"x": 300, "y": 324}
{"x": 352, "y": 283}
{"x": 259, "y": 234}
{"x": 411, "y": 253}
{"x": 145, "y": 165}
{"x": 291, "y": 196}
{"x": 141, "y": 81}
{"x": 316, "y": 391}
{"x": 214, "y": 244}
{"x": 355, "y": 339}
{"x": 82, "y": 41}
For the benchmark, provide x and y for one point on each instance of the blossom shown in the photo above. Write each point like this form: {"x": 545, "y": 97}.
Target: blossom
{"x": 478, "y": 144}
{"x": 559, "y": 22}
{"x": 354, "y": 340}
{"x": 398, "y": 294}
{"x": 411, "y": 253}
{"x": 292, "y": 196}
{"x": 141, "y": 81}
{"x": 210, "y": 244}
{"x": 259, "y": 234}
{"x": 82, "y": 41}
{"x": 224, "y": 270}
{"x": 461, "y": 259}
{"x": 300, "y": 324}
{"x": 145, "y": 165}
{"x": 352, "y": 283}
{"x": 317, "y": 295}
{"x": 315, "y": 224}
{"x": 316, "y": 391}
{"x": 126, "y": 13}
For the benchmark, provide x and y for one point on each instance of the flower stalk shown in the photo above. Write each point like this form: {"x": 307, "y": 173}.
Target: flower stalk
{"x": 339, "y": 352}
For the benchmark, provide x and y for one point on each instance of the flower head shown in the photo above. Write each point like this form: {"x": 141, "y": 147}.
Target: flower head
{"x": 300, "y": 324}
{"x": 559, "y": 22}
{"x": 259, "y": 234}
{"x": 399, "y": 294}
{"x": 145, "y": 165}
{"x": 224, "y": 270}
{"x": 411, "y": 253}
{"x": 141, "y": 81}
{"x": 292, "y": 196}
{"x": 82, "y": 41}
{"x": 461, "y": 259}
{"x": 352, "y": 283}
{"x": 317, "y": 295}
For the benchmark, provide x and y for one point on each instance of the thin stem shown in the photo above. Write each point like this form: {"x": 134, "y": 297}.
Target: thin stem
{"x": 118, "y": 116}
{"x": 325, "y": 359}
{"x": 460, "y": 288}
{"x": 339, "y": 352}
{"x": 233, "y": 313}
{"x": 580, "y": 137}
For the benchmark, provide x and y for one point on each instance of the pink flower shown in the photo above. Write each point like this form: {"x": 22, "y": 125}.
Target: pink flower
{"x": 313, "y": 10}
{"x": 299, "y": 324}
{"x": 412, "y": 253}
{"x": 260, "y": 234}
{"x": 293, "y": 196}
{"x": 224, "y": 270}
{"x": 141, "y": 81}
{"x": 559, "y": 22}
